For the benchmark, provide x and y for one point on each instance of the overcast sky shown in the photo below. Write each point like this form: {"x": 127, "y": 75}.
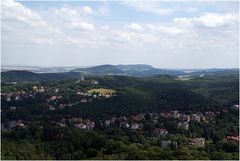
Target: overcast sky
{"x": 165, "y": 34}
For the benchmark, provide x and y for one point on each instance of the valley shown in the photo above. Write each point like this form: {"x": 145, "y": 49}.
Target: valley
{"x": 124, "y": 116}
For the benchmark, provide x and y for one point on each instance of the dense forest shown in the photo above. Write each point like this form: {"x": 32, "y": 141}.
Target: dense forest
{"x": 41, "y": 107}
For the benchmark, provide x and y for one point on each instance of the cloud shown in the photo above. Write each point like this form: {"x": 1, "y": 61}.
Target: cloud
{"x": 17, "y": 13}
{"x": 83, "y": 25}
{"x": 104, "y": 9}
{"x": 134, "y": 26}
{"x": 56, "y": 34}
{"x": 105, "y": 27}
{"x": 22, "y": 26}
{"x": 150, "y": 7}
{"x": 154, "y": 28}
{"x": 88, "y": 10}
{"x": 190, "y": 9}
{"x": 208, "y": 20}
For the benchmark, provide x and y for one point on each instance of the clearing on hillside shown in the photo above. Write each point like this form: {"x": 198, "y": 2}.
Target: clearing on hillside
{"x": 102, "y": 91}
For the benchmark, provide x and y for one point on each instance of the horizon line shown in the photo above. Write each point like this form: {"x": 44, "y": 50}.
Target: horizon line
{"x": 87, "y": 66}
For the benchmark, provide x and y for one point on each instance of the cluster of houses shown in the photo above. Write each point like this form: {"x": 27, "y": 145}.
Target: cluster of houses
{"x": 184, "y": 118}
{"x": 169, "y": 143}
{"x": 40, "y": 89}
{"x": 199, "y": 142}
{"x": 196, "y": 142}
{"x": 84, "y": 98}
{"x": 199, "y": 116}
{"x": 12, "y": 125}
{"x": 23, "y": 94}
{"x": 233, "y": 138}
{"x": 235, "y": 107}
{"x": 78, "y": 122}
{"x": 16, "y": 96}
{"x": 135, "y": 122}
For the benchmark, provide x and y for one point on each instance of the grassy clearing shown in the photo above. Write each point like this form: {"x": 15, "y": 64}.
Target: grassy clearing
{"x": 102, "y": 91}
{"x": 184, "y": 78}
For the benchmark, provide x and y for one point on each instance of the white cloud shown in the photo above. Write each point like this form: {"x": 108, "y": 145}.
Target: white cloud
{"x": 83, "y": 25}
{"x": 208, "y": 20}
{"x": 15, "y": 12}
{"x": 21, "y": 25}
{"x": 149, "y": 6}
{"x": 126, "y": 35}
{"x": 134, "y": 26}
{"x": 105, "y": 27}
{"x": 170, "y": 30}
{"x": 58, "y": 33}
{"x": 155, "y": 28}
{"x": 190, "y": 9}
{"x": 88, "y": 10}
{"x": 104, "y": 9}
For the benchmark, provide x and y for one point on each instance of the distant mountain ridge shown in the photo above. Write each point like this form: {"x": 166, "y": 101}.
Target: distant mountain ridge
{"x": 140, "y": 70}
{"x": 20, "y": 76}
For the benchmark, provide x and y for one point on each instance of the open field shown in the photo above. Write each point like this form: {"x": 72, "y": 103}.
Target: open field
{"x": 102, "y": 91}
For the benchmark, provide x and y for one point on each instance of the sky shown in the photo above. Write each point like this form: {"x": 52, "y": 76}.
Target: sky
{"x": 164, "y": 34}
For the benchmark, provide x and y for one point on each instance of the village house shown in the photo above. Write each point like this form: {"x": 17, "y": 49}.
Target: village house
{"x": 76, "y": 120}
{"x": 233, "y": 138}
{"x": 8, "y": 99}
{"x": 186, "y": 118}
{"x": 236, "y": 107}
{"x": 41, "y": 89}
{"x": 52, "y": 98}
{"x": 19, "y": 123}
{"x": 159, "y": 131}
{"x": 124, "y": 125}
{"x": 136, "y": 126}
{"x": 183, "y": 125}
{"x": 107, "y": 95}
{"x": 225, "y": 110}
{"x": 51, "y": 107}
{"x": 155, "y": 121}
{"x": 123, "y": 118}
{"x": 196, "y": 117}
{"x": 35, "y": 88}
{"x": 199, "y": 142}
{"x": 90, "y": 125}
{"x": 169, "y": 143}
{"x": 62, "y": 124}
{"x": 17, "y": 98}
{"x": 174, "y": 113}
{"x": 83, "y": 100}
{"x": 107, "y": 122}
{"x": 62, "y": 106}
{"x": 57, "y": 90}
{"x": 81, "y": 126}
{"x": 94, "y": 82}
{"x": 167, "y": 115}
{"x": 203, "y": 119}
{"x": 113, "y": 119}
{"x": 138, "y": 118}
{"x": 13, "y": 108}
{"x": 210, "y": 115}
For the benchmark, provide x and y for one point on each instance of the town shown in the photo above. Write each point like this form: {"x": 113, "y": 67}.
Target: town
{"x": 136, "y": 122}
{"x": 91, "y": 105}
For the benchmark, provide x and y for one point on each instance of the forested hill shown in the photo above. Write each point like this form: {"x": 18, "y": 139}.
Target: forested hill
{"x": 20, "y": 76}
{"x": 142, "y": 70}
{"x": 139, "y": 70}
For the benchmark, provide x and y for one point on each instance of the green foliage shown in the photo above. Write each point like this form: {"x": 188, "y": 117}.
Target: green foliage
{"x": 134, "y": 95}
